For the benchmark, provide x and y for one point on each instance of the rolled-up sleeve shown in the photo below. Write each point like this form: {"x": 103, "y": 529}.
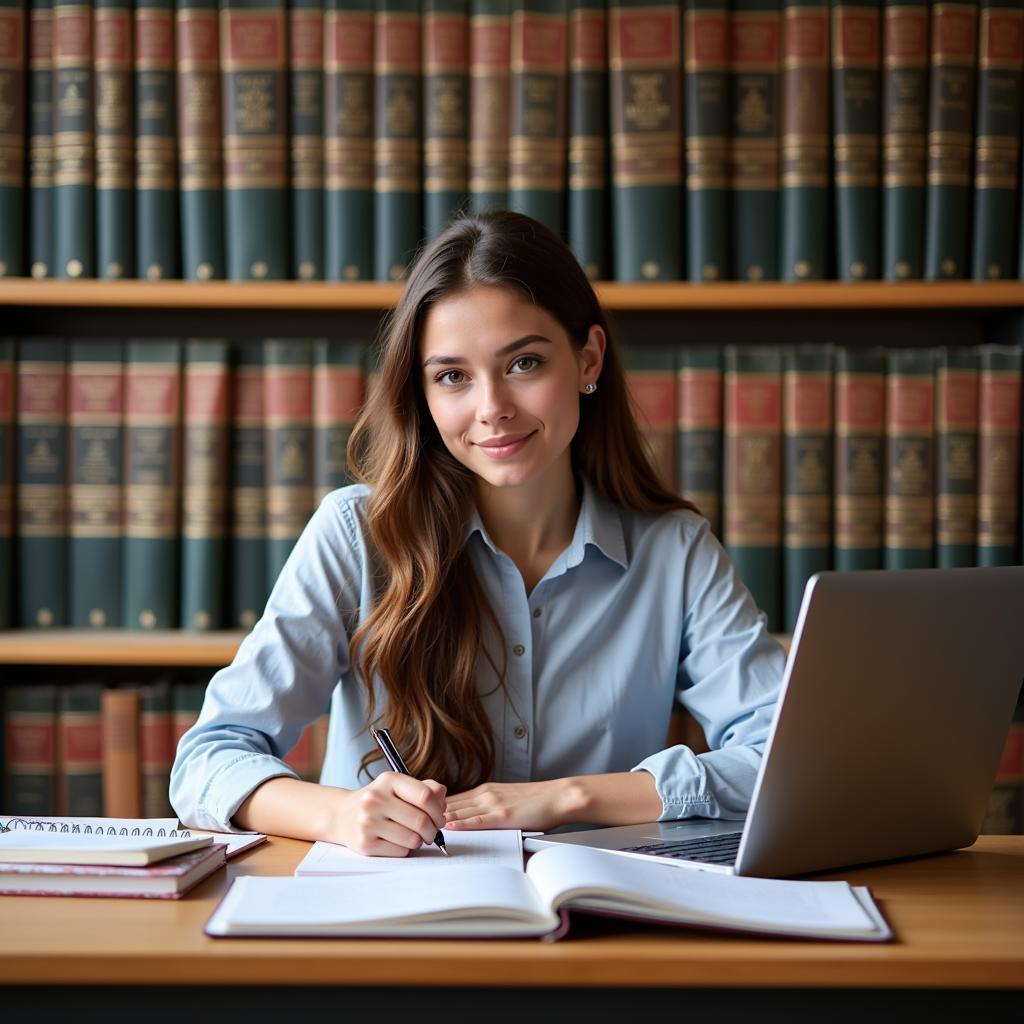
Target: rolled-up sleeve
{"x": 730, "y": 674}
{"x": 282, "y": 677}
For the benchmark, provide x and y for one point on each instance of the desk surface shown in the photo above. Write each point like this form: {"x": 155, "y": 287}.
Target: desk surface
{"x": 958, "y": 917}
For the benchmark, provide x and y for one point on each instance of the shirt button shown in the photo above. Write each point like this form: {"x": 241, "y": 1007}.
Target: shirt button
{"x": 536, "y": 613}
{"x": 520, "y": 732}
{"x": 519, "y": 650}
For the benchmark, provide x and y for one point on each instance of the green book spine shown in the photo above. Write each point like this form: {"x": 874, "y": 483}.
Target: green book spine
{"x": 752, "y": 472}
{"x": 337, "y": 401}
{"x": 650, "y": 377}
{"x": 904, "y": 128}
{"x": 755, "y": 47}
{"x": 80, "y": 750}
{"x": 805, "y": 140}
{"x": 997, "y": 139}
{"x": 909, "y": 459}
{"x": 96, "y": 454}
{"x": 200, "y": 173}
{"x": 288, "y": 425}
{"x": 537, "y": 118}
{"x": 445, "y": 111}
{"x": 204, "y": 484}
{"x": 13, "y": 89}
{"x": 806, "y": 472}
{"x": 859, "y": 465}
{"x": 248, "y": 492}
{"x": 950, "y": 138}
{"x": 115, "y": 139}
{"x": 708, "y": 110}
{"x": 306, "y": 130}
{"x": 587, "y": 229}
{"x": 490, "y": 48}
{"x": 74, "y": 157}
{"x": 999, "y": 433}
{"x": 397, "y": 138}
{"x": 30, "y": 733}
{"x": 6, "y": 481}
{"x": 40, "y": 139}
{"x": 856, "y": 92}
{"x": 253, "y": 88}
{"x": 699, "y": 433}
{"x": 348, "y": 139}
{"x": 151, "y": 474}
{"x": 156, "y": 749}
{"x": 956, "y": 456}
{"x": 645, "y": 68}
{"x": 41, "y": 483}
{"x": 156, "y": 171}
{"x": 186, "y": 703}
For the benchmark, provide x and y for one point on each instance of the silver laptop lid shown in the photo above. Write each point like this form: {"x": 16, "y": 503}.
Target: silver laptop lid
{"x": 896, "y": 700}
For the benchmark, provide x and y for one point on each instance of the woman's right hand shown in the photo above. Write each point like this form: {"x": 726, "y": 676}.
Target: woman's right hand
{"x": 390, "y": 817}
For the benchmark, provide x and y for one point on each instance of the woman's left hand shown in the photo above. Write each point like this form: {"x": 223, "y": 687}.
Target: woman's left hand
{"x": 532, "y": 806}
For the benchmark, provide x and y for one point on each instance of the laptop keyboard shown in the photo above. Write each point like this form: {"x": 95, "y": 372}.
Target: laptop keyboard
{"x": 709, "y": 850}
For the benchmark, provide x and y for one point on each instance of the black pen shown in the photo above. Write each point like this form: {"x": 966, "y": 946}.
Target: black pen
{"x": 398, "y": 765}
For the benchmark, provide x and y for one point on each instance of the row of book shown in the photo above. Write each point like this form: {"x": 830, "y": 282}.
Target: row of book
{"x": 160, "y": 484}
{"x": 663, "y": 139}
{"x": 90, "y": 750}
{"x": 87, "y": 750}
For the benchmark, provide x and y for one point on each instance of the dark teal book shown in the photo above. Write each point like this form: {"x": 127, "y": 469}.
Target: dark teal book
{"x": 588, "y": 230}
{"x": 489, "y": 82}
{"x": 306, "y": 142}
{"x": 806, "y": 472}
{"x": 115, "y": 138}
{"x": 856, "y": 112}
{"x": 40, "y": 139}
{"x": 205, "y": 404}
{"x": 645, "y": 66}
{"x": 805, "y": 140}
{"x": 997, "y": 140}
{"x": 79, "y": 761}
{"x": 96, "y": 456}
{"x": 30, "y": 749}
{"x": 956, "y": 456}
{"x": 904, "y": 130}
{"x": 348, "y": 139}
{"x": 699, "y": 433}
{"x": 954, "y": 53}
{"x": 398, "y": 137}
{"x": 338, "y": 387}
{"x": 254, "y": 91}
{"x": 13, "y": 90}
{"x": 752, "y": 472}
{"x": 755, "y": 47}
{"x": 910, "y": 459}
{"x": 445, "y": 112}
{"x": 538, "y": 93}
{"x": 41, "y": 484}
{"x": 152, "y": 489}
{"x": 6, "y": 482}
{"x": 708, "y": 112}
{"x": 74, "y": 151}
{"x": 200, "y": 151}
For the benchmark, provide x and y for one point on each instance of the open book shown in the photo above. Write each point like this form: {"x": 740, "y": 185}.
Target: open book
{"x": 476, "y": 901}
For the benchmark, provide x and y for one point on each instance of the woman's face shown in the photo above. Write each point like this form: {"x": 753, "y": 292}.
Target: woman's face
{"x": 503, "y": 383}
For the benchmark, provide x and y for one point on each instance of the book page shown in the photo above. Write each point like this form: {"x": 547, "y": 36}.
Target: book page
{"x": 476, "y": 900}
{"x": 491, "y": 847}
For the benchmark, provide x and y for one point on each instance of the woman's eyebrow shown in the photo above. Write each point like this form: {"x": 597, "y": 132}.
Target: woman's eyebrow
{"x": 512, "y": 346}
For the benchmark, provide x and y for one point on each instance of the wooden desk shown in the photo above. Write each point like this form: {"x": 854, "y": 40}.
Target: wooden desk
{"x": 959, "y": 919}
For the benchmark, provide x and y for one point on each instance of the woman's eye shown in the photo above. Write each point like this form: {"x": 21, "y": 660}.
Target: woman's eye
{"x": 450, "y": 377}
{"x": 529, "y": 361}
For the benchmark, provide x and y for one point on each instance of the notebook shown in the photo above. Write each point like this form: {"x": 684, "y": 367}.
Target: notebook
{"x": 168, "y": 880}
{"x": 493, "y": 901}
{"x": 22, "y": 847}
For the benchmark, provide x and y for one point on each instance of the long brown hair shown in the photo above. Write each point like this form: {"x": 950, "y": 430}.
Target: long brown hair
{"x": 426, "y": 632}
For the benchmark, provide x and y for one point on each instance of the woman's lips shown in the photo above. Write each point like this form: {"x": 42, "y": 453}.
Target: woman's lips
{"x": 502, "y": 448}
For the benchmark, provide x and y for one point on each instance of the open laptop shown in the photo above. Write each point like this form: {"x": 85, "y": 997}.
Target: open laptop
{"x": 894, "y": 708}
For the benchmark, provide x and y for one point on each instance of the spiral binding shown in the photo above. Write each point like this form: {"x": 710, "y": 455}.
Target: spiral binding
{"x": 74, "y": 828}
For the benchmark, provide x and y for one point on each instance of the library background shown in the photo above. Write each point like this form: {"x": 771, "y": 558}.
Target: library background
{"x": 803, "y": 219}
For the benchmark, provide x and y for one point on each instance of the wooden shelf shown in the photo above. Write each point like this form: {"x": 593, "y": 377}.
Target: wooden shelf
{"x": 169, "y": 648}
{"x": 725, "y": 296}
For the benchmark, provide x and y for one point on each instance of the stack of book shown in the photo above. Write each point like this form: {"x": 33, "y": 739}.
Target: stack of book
{"x": 664, "y": 139}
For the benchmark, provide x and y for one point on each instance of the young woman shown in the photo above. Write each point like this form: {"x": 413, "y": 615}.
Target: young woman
{"x": 512, "y": 592}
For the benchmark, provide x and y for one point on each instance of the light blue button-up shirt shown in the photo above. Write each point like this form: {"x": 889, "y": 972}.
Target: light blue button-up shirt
{"x": 637, "y": 610}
